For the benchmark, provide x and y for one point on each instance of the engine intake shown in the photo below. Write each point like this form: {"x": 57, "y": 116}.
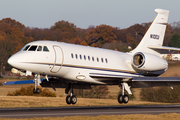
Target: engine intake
{"x": 148, "y": 62}
{"x": 139, "y": 60}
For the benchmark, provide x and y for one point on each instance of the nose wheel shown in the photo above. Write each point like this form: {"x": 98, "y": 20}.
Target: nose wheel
{"x": 36, "y": 91}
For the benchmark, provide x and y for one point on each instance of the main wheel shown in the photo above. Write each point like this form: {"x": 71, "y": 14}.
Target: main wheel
{"x": 73, "y": 99}
{"x": 68, "y": 99}
{"x": 120, "y": 99}
{"x": 125, "y": 99}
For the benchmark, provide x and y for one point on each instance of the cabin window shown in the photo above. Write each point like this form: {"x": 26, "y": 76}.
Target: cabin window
{"x": 89, "y": 58}
{"x": 76, "y": 56}
{"x": 92, "y": 58}
{"x": 45, "y": 49}
{"x": 32, "y": 48}
{"x": 102, "y": 60}
{"x": 84, "y": 57}
{"x": 72, "y": 55}
{"x": 80, "y": 56}
{"x": 97, "y": 59}
{"x": 26, "y": 47}
{"x": 106, "y": 60}
{"x": 39, "y": 48}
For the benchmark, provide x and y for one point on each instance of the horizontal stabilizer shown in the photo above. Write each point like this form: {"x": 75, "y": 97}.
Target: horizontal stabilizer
{"x": 20, "y": 82}
{"x": 156, "y": 48}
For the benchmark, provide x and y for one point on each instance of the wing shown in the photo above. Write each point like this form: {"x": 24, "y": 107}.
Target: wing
{"x": 110, "y": 79}
{"x": 156, "y": 79}
{"x": 140, "y": 82}
{"x": 136, "y": 82}
{"x": 100, "y": 75}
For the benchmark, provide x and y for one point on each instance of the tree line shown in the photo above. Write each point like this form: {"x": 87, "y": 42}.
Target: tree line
{"x": 14, "y": 35}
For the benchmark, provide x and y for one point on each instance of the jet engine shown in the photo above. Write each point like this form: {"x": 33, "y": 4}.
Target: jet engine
{"x": 146, "y": 62}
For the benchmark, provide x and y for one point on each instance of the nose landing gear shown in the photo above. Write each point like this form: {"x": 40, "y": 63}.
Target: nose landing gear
{"x": 123, "y": 99}
{"x": 36, "y": 91}
{"x": 37, "y": 81}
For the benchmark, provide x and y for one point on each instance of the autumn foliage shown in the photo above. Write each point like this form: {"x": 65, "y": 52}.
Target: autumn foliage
{"x": 28, "y": 91}
{"x": 100, "y": 35}
{"x": 100, "y": 92}
{"x": 14, "y": 35}
{"x": 161, "y": 94}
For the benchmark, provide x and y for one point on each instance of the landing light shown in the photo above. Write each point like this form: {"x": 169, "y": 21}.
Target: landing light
{"x": 80, "y": 77}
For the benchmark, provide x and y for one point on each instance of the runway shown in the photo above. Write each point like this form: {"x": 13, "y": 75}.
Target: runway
{"x": 86, "y": 111}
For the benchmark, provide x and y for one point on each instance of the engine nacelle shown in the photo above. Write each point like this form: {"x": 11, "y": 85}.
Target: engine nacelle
{"x": 146, "y": 62}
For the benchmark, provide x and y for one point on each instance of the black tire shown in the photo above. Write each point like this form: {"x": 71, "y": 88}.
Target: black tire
{"x": 68, "y": 99}
{"x": 34, "y": 91}
{"x": 38, "y": 90}
{"x": 120, "y": 99}
{"x": 125, "y": 99}
{"x": 73, "y": 99}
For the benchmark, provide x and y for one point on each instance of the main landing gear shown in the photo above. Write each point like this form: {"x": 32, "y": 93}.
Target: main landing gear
{"x": 124, "y": 98}
{"x": 70, "y": 99}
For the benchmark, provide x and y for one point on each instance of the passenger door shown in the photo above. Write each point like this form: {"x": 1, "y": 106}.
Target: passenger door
{"x": 58, "y": 59}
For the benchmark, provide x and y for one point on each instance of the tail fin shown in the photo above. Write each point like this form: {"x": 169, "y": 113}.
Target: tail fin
{"x": 154, "y": 37}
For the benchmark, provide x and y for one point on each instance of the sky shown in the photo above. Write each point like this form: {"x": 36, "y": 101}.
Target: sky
{"x": 84, "y": 13}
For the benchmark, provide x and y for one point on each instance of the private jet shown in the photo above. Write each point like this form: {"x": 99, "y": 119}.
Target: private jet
{"x": 72, "y": 66}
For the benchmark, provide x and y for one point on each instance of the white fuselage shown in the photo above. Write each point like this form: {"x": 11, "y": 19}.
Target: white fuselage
{"x": 70, "y": 61}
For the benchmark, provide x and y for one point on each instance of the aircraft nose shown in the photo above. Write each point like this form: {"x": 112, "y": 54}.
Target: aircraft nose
{"x": 19, "y": 60}
{"x": 14, "y": 60}
{"x": 11, "y": 61}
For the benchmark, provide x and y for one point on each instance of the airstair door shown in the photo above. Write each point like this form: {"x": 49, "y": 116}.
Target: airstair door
{"x": 58, "y": 61}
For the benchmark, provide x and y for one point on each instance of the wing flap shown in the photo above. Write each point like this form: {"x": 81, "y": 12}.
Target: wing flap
{"x": 156, "y": 79}
{"x": 136, "y": 82}
{"x": 144, "y": 82}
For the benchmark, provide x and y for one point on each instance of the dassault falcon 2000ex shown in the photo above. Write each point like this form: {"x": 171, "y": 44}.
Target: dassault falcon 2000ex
{"x": 79, "y": 67}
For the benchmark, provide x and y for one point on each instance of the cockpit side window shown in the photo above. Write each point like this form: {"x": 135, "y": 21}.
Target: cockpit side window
{"x": 26, "y": 47}
{"x": 39, "y": 48}
{"x": 32, "y": 48}
{"x": 45, "y": 49}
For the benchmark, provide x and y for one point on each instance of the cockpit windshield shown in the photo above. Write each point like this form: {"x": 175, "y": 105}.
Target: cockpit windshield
{"x": 36, "y": 48}
{"x": 39, "y": 48}
{"x": 26, "y": 47}
{"x": 45, "y": 49}
{"x": 32, "y": 48}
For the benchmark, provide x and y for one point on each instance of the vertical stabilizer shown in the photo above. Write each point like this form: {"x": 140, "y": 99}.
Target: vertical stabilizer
{"x": 155, "y": 34}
